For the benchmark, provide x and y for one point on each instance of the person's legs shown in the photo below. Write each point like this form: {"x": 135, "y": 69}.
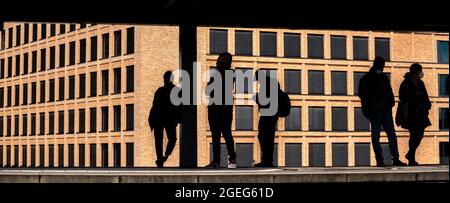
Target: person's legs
{"x": 227, "y": 135}
{"x": 215, "y": 134}
{"x": 158, "y": 133}
{"x": 171, "y": 131}
{"x": 388, "y": 125}
{"x": 262, "y": 130}
{"x": 416, "y": 135}
{"x": 269, "y": 139}
{"x": 375, "y": 123}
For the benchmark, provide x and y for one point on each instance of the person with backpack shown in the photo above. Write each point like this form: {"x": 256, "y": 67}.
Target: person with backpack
{"x": 377, "y": 100}
{"x": 164, "y": 115}
{"x": 267, "y": 123}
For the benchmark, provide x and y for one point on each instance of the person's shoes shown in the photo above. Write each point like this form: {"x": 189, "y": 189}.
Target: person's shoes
{"x": 398, "y": 163}
{"x": 380, "y": 164}
{"x": 213, "y": 165}
{"x": 159, "y": 163}
{"x": 412, "y": 163}
{"x": 264, "y": 164}
{"x": 232, "y": 164}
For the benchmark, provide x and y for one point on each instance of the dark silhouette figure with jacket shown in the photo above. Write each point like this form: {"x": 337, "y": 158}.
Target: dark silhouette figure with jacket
{"x": 267, "y": 123}
{"x": 377, "y": 101}
{"x": 220, "y": 116}
{"x": 164, "y": 115}
{"x": 412, "y": 112}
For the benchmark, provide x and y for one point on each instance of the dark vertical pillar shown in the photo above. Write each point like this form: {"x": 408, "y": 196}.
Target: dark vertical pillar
{"x": 188, "y": 138}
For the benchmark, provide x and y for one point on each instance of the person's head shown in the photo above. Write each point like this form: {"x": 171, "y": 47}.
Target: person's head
{"x": 224, "y": 61}
{"x": 416, "y": 70}
{"x": 167, "y": 76}
{"x": 378, "y": 64}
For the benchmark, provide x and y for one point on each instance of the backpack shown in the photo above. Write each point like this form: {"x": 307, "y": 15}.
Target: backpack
{"x": 284, "y": 104}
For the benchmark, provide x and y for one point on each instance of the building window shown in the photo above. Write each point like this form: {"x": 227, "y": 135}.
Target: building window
{"x": 82, "y": 26}
{"x": 51, "y": 155}
{"x": 218, "y": 41}
{"x": 82, "y": 51}
{"x": 71, "y": 87}
{"x": 24, "y": 124}
{"x": 442, "y": 51}
{"x": 443, "y": 118}
{"x": 8, "y": 155}
{"x": 8, "y": 126}
{"x": 116, "y": 155}
{"x": 105, "y": 119}
{"x": 42, "y": 88}
{"x": 17, "y": 95}
{"x": 338, "y": 83}
{"x": 292, "y": 81}
{"x": 116, "y": 118}
{"x": 356, "y": 78}
{"x": 443, "y": 85}
{"x": 105, "y": 46}
{"x": 33, "y": 156}
{"x": 81, "y": 120}
{"x": 93, "y": 155}
{"x": 245, "y": 151}
{"x": 43, "y": 60}
{"x": 10, "y": 63}
{"x": 244, "y": 43}
{"x": 10, "y": 38}
{"x": 35, "y": 32}
{"x": 16, "y": 156}
{"x": 292, "y": 45}
{"x": 361, "y": 122}
{"x": 244, "y": 118}
{"x": 61, "y": 155}
{"x": 41, "y": 123}
{"x": 315, "y": 82}
{"x": 244, "y": 80}
{"x": 51, "y": 96}
{"x": 62, "y": 55}
{"x": 2, "y": 68}
{"x": 105, "y": 82}
{"x": 60, "y": 122}
{"x": 81, "y": 156}
{"x": 117, "y": 43}
{"x": 71, "y": 122}
{"x": 82, "y": 86}
{"x": 18, "y": 35}
{"x": 72, "y": 27}
{"x": 340, "y": 154}
{"x": 339, "y": 118}
{"x": 315, "y": 46}
{"x": 293, "y": 121}
{"x": 94, "y": 48}
{"x": 129, "y": 154}
{"x": 2, "y": 97}
{"x": 51, "y": 123}
{"x": 130, "y": 40}
{"x": 268, "y": 44}
{"x": 72, "y": 53}
{"x": 93, "y": 120}
{"x": 52, "y": 58}
{"x": 33, "y": 124}
{"x": 9, "y": 98}
{"x": 25, "y": 94}
{"x": 105, "y": 155}
{"x": 16, "y": 125}
{"x": 52, "y": 30}
{"x": 443, "y": 153}
{"x": 17, "y": 71}
{"x": 130, "y": 117}
{"x": 61, "y": 89}
{"x": 316, "y": 118}
{"x": 293, "y": 154}
{"x": 25, "y": 64}
{"x": 338, "y": 47}
{"x": 1, "y": 156}
{"x": 34, "y": 62}
{"x": 41, "y": 155}
{"x": 62, "y": 28}
{"x": 317, "y": 154}
{"x": 362, "y": 154}
{"x": 360, "y": 48}
{"x": 93, "y": 84}
{"x": 71, "y": 155}
{"x": 2, "y": 123}
{"x": 130, "y": 79}
{"x": 382, "y": 48}
{"x": 2, "y": 42}
{"x": 43, "y": 31}
{"x": 117, "y": 80}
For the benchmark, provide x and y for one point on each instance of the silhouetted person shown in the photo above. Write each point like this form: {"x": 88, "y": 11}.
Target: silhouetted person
{"x": 164, "y": 115}
{"x": 220, "y": 116}
{"x": 377, "y": 101}
{"x": 412, "y": 113}
{"x": 267, "y": 123}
